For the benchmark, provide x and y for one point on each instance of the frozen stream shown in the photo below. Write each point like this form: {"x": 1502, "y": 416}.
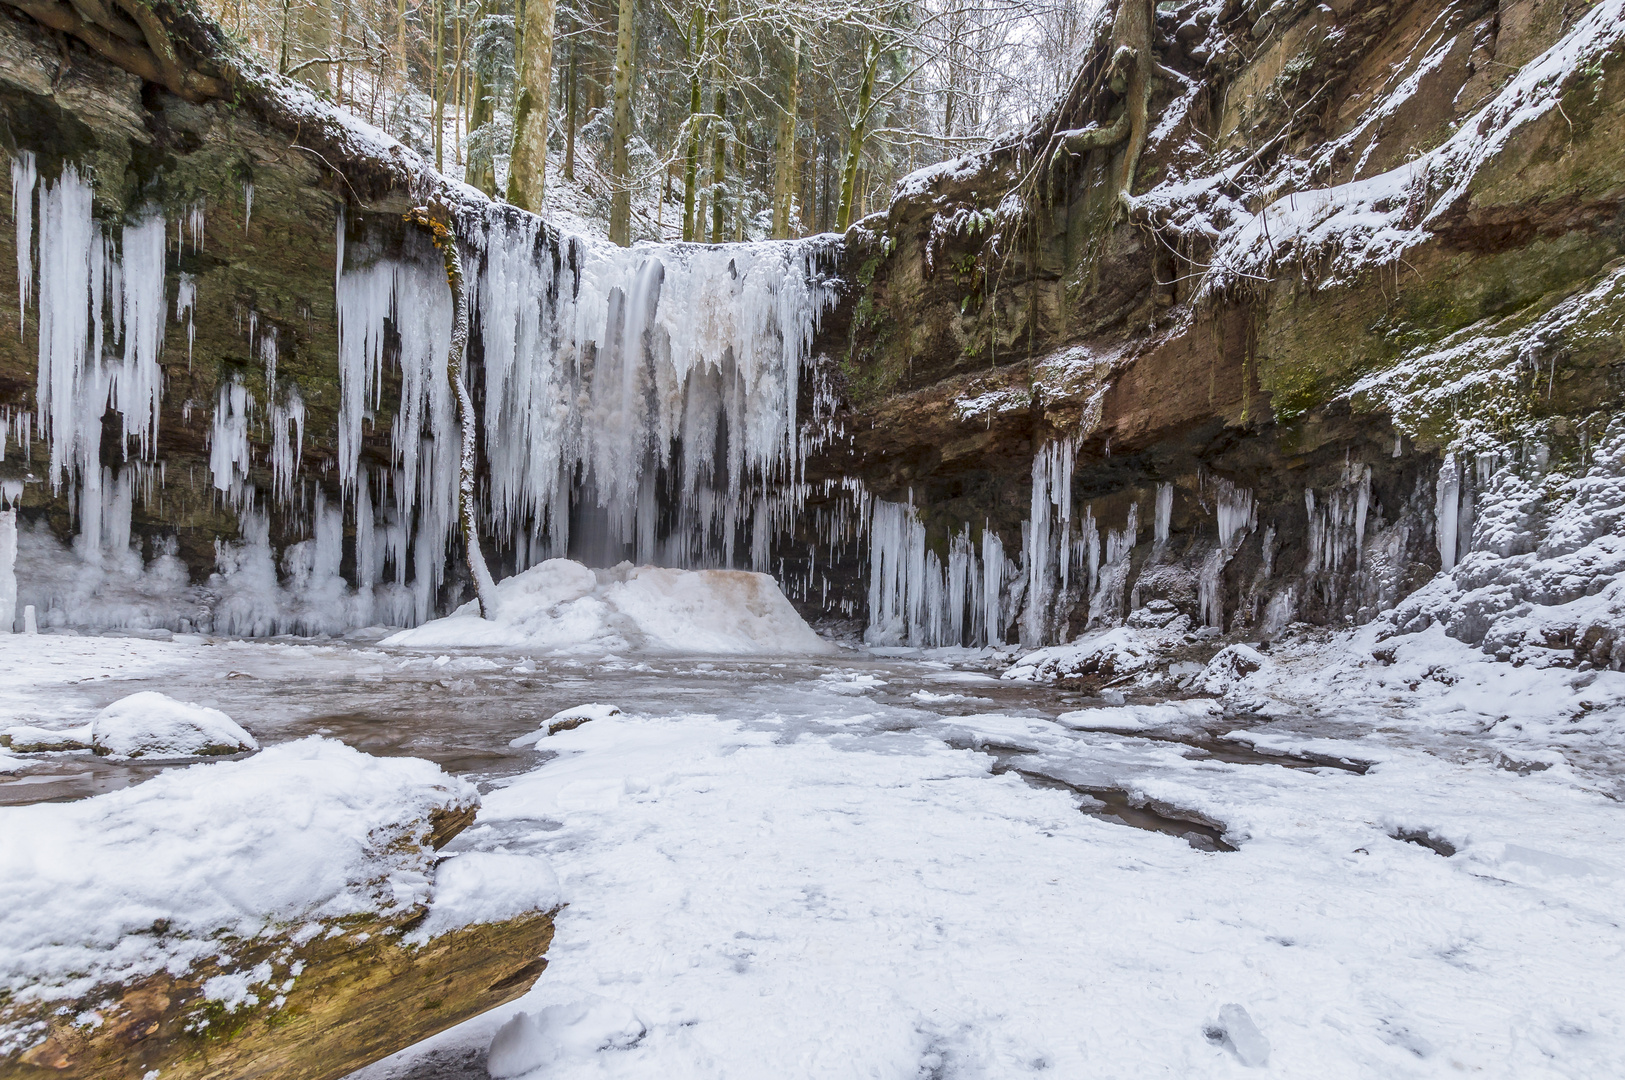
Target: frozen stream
{"x": 876, "y": 865}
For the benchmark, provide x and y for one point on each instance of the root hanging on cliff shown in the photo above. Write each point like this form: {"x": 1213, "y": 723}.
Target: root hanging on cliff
{"x": 1127, "y": 76}
{"x": 468, "y": 510}
{"x": 132, "y": 35}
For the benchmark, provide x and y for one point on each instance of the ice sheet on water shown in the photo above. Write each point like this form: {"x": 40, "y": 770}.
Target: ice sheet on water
{"x": 1250, "y": 1045}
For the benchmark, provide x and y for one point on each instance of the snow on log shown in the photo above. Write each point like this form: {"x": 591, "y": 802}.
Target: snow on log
{"x": 285, "y": 910}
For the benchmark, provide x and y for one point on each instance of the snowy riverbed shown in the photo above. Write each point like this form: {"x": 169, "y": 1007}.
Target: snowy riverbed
{"x": 876, "y": 865}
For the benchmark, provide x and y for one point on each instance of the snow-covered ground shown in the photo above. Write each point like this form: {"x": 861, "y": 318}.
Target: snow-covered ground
{"x": 876, "y": 865}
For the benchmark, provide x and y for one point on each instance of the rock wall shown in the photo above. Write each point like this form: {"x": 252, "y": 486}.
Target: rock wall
{"x": 1362, "y": 234}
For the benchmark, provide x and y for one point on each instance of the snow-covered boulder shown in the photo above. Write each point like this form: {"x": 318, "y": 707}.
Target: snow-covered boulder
{"x": 568, "y": 720}
{"x": 563, "y": 605}
{"x": 154, "y": 725}
{"x": 1229, "y": 666}
{"x": 1100, "y": 658}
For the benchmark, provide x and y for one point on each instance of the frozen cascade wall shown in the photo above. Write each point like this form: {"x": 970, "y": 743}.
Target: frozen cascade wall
{"x": 638, "y": 403}
{"x": 635, "y": 404}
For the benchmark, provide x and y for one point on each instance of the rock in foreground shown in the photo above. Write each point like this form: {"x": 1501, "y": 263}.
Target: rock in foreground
{"x": 278, "y": 916}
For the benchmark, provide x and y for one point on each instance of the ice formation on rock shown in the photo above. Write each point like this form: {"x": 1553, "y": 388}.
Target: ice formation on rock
{"x": 638, "y": 403}
{"x": 8, "y": 573}
{"x": 914, "y": 599}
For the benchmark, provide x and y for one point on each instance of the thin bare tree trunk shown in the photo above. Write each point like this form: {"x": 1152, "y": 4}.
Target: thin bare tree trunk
{"x": 570, "y": 113}
{"x": 691, "y": 167}
{"x": 620, "y": 204}
{"x": 784, "y": 165}
{"x": 437, "y": 88}
{"x": 857, "y": 134}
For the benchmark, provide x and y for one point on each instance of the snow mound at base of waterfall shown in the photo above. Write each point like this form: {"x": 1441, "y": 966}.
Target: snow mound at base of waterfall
{"x": 562, "y": 605}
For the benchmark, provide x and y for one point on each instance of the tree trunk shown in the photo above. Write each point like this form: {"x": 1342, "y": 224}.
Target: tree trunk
{"x": 459, "y": 96}
{"x": 481, "y": 171}
{"x": 741, "y": 165}
{"x": 691, "y": 167}
{"x": 719, "y": 168}
{"x": 570, "y": 113}
{"x": 527, "y": 161}
{"x": 1132, "y": 30}
{"x": 437, "y": 87}
{"x": 856, "y": 136}
{"x": 620, "y": 204}
{"x": 338, "y": 72}
{"x": 784, "y": 163}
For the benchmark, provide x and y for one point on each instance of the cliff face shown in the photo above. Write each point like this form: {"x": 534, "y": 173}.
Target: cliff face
{"x": 1363, "y": 282}
{"x": 250, "y": 207}
{"x": 1360, "y": 235}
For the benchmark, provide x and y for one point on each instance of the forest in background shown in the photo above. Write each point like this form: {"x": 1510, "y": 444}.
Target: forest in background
{"x": 705, "y": 120}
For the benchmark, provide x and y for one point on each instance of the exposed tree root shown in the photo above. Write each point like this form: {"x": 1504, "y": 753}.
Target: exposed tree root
{"x": 438, "y": 229}
{"x": 130, "y": 34}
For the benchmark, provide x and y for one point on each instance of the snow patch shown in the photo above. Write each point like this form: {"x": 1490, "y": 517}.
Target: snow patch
{"x": 562, "y": 1034}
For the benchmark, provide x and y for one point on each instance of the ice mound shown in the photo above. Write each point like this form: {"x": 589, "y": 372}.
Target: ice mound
{"x": 1238, "y": 1029}
{"x": 154, "y": 725}
{"x": 562, "y": 1033}
{"x": 145, "y": 878}
{"x": 563, "y": 605}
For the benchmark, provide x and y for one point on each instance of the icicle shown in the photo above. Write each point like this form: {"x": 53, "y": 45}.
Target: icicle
{"x": 8, "y": 563}
{"x": 23, "y": 175}
{"x": 1165, "y": 514}
{"x": 67, "y": 235}
{"x": 194, "y": 225}
{"x": 186, "y": 301}
{"x": 287, "y": 443}
{"x": 992, "y": 585}
{"x": 229, "y": 451}
{"x": 1446, "y": 506}
{"x": 268, "y": 355}
{"x": 248, "y": 203}
{"x": 138, "y": 389}
{"x": 1047, "y": 539}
